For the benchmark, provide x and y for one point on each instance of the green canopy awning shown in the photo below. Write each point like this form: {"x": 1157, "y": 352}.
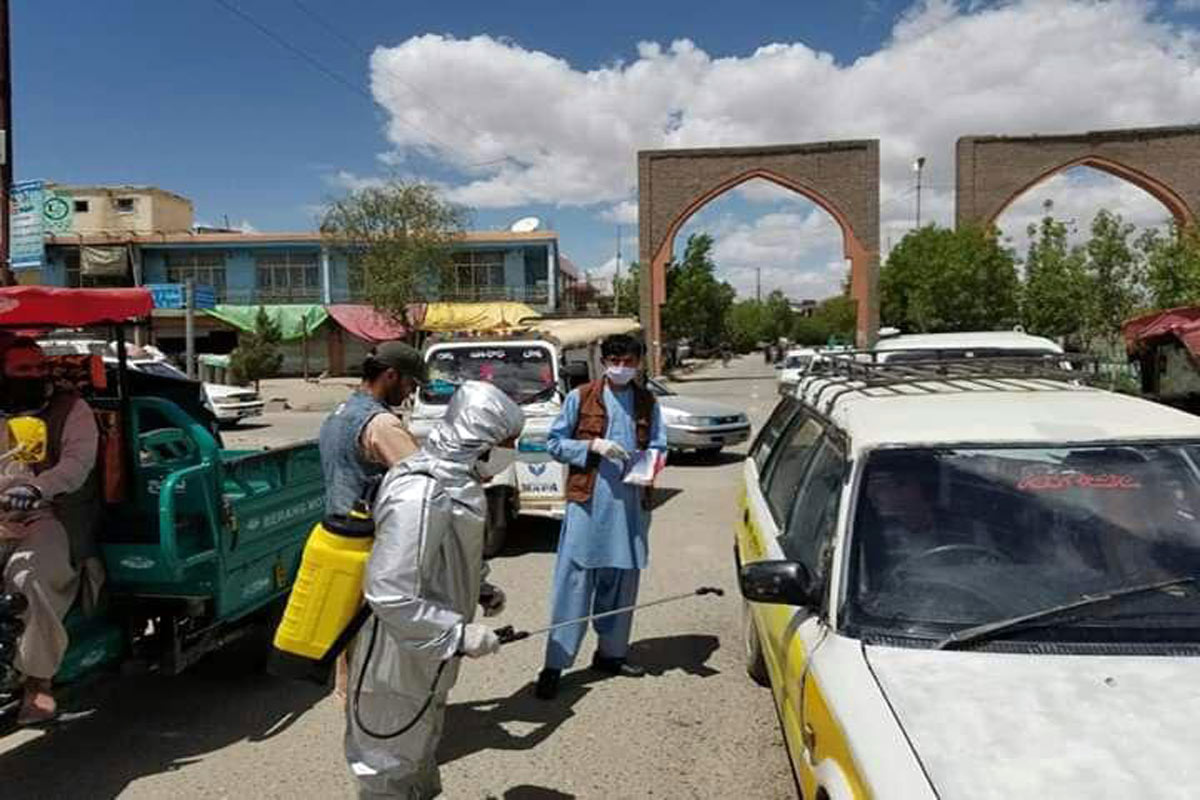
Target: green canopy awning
{"x": 292, "y": 320}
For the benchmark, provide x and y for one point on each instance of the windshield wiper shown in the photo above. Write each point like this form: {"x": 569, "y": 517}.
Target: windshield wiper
{"x": 990, "y": 630}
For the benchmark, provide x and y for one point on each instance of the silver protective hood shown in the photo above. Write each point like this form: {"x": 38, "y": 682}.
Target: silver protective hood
{"x": 479, "y": 417}
{"x": 422, "y": 583}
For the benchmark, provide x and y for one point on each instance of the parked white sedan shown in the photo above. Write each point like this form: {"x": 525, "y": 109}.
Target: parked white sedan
{"x": 696, "y": 424}
{"x": 230, "y": 404}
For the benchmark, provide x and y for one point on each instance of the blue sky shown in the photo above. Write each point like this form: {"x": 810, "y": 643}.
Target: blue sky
{"x": 190, "y": 97}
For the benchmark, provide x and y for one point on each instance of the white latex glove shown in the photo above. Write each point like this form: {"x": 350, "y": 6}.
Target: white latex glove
{"x": 478, "y": 641}
{"x": 607, "y": 448}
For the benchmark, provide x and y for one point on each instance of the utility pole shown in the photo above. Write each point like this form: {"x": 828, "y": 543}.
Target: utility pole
{"x": 617, "y": 278}
{"x": 6, "y": 274}
{"x": 919, "y": 166}
{"x": 758, "y": 284}
{"x": 189, "y": 326}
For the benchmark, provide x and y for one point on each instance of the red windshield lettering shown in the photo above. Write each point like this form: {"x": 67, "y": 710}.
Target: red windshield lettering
{"x": 1055, "y": 482}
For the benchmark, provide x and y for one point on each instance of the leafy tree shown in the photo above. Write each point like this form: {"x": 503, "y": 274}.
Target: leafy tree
{"x": 1058, "y": 289}
{"x": 1172, "y": 265}
{"x": 778, "y": 317}
{"x": 746, "y": 324}
{"x": 398, "y": 237}
{"x": 697, "y": 302}
{"x": 937, "y": 279}
{"x": 1115, "y": 276}
{"x": 258, "y": 353}
{"x": 834, "y": 318}
{"x": 626, "y": 290}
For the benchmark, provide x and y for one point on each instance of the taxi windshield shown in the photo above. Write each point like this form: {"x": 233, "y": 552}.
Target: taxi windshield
{"x": 523, "y": 372}
{"x": 946, "y": 539}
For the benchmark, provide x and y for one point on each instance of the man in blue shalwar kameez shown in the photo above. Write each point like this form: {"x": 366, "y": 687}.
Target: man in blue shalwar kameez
{"x": 602, "y": 547}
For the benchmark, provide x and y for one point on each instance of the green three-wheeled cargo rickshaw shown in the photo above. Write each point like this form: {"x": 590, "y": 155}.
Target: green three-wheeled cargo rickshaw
{"x": 199, "y": 544}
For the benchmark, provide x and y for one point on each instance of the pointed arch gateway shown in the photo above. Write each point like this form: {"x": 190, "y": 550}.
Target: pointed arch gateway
{"x": 993, "y": 171}
{"x": 840, "y": 177}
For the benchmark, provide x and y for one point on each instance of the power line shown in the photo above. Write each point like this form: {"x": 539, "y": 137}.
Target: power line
{"x": 337, "y": 77}
{"x": 320, "y": 20}
{"x": 360, "y": 49}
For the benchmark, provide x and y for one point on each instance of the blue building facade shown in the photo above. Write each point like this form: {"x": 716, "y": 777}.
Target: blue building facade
{"x": 285, "y": 268}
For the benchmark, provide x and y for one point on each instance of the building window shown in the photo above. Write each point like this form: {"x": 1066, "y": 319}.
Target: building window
{"x": 125, "y": 205}
{"x": 288, "y": 275}
{"x": 479, "y": 275}
{"x": 537, "y": 271}
{"x": 75, "y": 279}
{"x": 81, "y": 206}
{"x": 205, "y": 267}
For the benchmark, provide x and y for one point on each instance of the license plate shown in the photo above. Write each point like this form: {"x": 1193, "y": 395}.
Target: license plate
{"x": 250, "y": 412}
{"x": 543, "y": 479}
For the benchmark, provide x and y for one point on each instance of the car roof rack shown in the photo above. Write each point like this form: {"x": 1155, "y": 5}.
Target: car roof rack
{"x": 847, "y": 373}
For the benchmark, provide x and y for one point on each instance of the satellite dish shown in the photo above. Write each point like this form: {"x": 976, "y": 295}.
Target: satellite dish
{"x": 526, "y": 225}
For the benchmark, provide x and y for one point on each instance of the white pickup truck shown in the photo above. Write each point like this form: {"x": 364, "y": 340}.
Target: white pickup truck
{"x": 537, "y": 368}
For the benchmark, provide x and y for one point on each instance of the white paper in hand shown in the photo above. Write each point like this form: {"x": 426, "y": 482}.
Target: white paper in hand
{"x": 644, "y": 467}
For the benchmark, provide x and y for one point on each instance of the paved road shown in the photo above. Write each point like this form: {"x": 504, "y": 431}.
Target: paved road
{"x": 695, "y": 727}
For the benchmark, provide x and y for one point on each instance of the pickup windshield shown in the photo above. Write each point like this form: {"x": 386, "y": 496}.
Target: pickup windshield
{"x": 948, "y": 539}
{"x": 524, "y": 372}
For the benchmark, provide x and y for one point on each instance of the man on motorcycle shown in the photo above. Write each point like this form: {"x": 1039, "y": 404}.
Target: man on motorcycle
{"x": 37, "y": 503}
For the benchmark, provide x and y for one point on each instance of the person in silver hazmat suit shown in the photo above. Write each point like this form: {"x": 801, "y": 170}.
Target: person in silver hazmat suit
{"x": 423, "y": 581}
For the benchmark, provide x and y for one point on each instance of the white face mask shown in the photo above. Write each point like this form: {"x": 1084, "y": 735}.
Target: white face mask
{"x": 494, "y": 462}
{"x": 621, "y": 375}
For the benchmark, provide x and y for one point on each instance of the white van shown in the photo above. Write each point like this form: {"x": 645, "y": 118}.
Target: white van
{"x": 969, "y": 344}
{"x": 537, "y": 368}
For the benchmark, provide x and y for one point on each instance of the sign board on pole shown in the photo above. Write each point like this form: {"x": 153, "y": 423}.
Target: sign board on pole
{"x": 36, "y": 211}
{"x": 26, "y": 227}
{"x": 171, "y": 295}
{"x": 58, "y": 211}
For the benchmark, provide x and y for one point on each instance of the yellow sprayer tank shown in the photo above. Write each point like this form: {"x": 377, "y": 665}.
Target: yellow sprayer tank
{"x": 323, "y": 610}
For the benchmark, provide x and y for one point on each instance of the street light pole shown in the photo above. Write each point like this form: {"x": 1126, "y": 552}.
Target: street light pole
{"x": 919, "y": 166}
{"x": 617, "y": 278}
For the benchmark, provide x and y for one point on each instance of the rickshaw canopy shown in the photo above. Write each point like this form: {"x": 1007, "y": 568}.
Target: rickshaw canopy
{"x": 29, "y": 307}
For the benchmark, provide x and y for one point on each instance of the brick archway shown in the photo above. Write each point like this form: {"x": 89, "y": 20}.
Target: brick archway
{"x": 840, "y": 177}
{"x": 993, "y": 171}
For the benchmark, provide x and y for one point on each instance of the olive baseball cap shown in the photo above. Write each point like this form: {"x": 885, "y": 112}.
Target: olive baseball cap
{"x": 401, "y": 357}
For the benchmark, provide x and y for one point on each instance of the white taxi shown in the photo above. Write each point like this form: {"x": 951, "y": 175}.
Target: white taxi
{"x": 983, "y": 587}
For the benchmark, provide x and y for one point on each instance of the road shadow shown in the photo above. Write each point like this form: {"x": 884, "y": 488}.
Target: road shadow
{"x": 531, "y": 535}
{"x": 694, "y": 459}
{"x": 527, "y": 792}
{"x": 660, "y": 496}
{"x": 521, "y": 721}
{"x": 149, "y": 725}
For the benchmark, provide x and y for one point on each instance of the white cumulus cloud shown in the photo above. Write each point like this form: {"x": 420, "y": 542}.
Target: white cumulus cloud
{"x": 785, "y": 245}
{"x": 529, "y": 127}
{"x": 523, "y": 126}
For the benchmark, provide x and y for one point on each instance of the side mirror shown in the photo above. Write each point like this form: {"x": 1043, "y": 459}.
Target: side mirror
{"x": 26, "y": 440}
{"x": 780, "y": 582}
